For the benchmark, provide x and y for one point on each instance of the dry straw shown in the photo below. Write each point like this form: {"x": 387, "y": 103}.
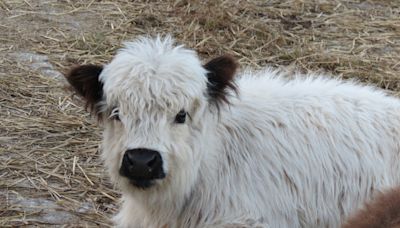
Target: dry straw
{"x": 50, "y": 171}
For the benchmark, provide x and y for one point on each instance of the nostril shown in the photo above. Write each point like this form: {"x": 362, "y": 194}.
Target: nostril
{"x": 152, "y": 161}
{"x": 126, "y": 159}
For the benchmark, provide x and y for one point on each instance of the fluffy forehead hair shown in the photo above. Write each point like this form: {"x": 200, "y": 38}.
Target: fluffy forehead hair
{"x": 154, "y": 73}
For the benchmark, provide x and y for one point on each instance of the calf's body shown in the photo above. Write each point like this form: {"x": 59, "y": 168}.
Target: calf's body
{"x": 303, "y": 152}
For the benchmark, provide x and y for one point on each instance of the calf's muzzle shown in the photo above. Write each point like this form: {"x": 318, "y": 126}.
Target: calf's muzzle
{"x": 141, "y": 166}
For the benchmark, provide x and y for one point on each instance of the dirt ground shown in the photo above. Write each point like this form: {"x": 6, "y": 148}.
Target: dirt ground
{"x": 50, "y": 171}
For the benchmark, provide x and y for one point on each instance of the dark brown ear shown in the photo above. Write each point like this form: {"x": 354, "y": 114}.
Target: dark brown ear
{"x": 221, "y": 71}
{"x": 85, "y": 81}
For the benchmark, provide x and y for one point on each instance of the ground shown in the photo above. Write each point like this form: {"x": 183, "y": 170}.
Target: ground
{"x": 50, "y": 171}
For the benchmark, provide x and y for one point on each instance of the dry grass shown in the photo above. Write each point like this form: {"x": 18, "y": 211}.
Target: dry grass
{"x": 50, "y": 172}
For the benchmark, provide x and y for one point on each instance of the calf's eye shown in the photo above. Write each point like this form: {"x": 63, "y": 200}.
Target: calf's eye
{"x": 115, "y": 114}
{"x": 181, "y": 117}
{"x": 116, "y": 117}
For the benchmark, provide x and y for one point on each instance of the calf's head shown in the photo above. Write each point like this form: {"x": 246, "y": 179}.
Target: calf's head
{"x": 156, "y": 102}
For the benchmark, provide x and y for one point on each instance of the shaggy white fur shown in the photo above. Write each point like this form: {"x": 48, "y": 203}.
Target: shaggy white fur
{"x": 303, "y": 152}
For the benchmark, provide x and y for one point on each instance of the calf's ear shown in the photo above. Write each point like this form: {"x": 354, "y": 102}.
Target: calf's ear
{"x": 84, "y": 80}
{"x": 221, "y": 71}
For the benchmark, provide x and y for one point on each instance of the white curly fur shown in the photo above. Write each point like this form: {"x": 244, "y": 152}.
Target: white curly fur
{"x": 303, "y": 152}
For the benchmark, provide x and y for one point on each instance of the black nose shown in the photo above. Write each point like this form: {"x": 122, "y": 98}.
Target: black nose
{"x": 142, "y": 165}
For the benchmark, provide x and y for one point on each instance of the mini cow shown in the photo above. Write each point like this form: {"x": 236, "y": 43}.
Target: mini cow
{"x": 190, "y": 145}
{"x": 382, "y": 212}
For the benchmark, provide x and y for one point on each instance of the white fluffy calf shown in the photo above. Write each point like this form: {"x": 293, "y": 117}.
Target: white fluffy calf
{"x": 189, "y": 145}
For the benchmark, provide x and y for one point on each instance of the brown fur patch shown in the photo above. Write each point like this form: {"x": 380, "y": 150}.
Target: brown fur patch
{"x": 221, "y": 71}
{"x": 382, "y": 212}
{"x": 85, "y": 81}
